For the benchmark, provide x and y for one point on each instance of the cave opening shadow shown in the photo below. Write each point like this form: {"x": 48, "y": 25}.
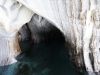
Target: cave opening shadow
{"x": 45, "y": 58}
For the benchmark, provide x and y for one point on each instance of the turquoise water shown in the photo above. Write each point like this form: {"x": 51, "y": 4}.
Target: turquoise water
{"x": 41, "y": 59}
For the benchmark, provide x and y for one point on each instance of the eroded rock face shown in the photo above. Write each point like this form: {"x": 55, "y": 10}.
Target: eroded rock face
{"x": 9, "y": 48}
{"x": 78, "y": 20}
{"x": 12, "y": 16}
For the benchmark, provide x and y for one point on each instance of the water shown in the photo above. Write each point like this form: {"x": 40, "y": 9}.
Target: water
{"x": 42, "y": 59}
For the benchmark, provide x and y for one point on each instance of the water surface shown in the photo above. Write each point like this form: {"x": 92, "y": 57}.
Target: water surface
{"x": 41, "y": 59}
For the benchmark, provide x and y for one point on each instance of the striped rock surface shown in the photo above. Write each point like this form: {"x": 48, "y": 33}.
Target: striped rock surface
{"x": 78, "y": 20}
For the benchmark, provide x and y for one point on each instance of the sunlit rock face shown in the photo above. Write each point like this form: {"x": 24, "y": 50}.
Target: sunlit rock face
{"x": 15, "y": 14}
{"x": 78, "y": 20}
{"x": 12, "y": 16}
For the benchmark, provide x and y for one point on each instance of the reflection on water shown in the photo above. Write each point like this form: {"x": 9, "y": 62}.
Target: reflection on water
{"x": 43, "y": 59}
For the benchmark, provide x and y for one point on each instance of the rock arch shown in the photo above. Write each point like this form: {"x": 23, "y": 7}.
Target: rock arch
{"x": 78, "y": 20}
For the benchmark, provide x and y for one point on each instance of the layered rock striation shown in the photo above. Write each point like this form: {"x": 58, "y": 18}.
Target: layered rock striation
{"x": 78, "y": 20}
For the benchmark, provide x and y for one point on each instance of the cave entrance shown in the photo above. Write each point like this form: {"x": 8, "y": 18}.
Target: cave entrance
{"x": 43, "y": 50}
{"x": 38, "y": 30}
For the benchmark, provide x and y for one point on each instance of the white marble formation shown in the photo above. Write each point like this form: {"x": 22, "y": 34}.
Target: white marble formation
{"x": 78, "y": 20}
